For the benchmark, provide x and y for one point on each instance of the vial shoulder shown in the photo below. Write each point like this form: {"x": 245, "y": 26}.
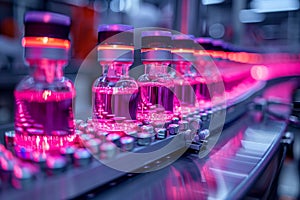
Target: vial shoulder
{"x": 30, "y": 84}
{"x": 105, "y": 81}
{"x": 127, "y": 82}
{"x": 146, "y": 78}
{"x": 66, "y": 83}
{"x": 158, "y": 78}
{"x": 102, "y": 81}
{"x": 26, "y": 83}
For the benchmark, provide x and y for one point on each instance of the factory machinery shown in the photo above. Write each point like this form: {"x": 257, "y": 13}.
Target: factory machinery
{"x": 200, "y": 123}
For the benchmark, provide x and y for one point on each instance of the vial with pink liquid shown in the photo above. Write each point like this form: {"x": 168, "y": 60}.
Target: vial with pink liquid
{"x": 44, "y": 119}
{"x": 186, "y": 77}
{"x": 115, "y": 92}
{"x": 205, "y": 90}
{"x": 156, "y": 86}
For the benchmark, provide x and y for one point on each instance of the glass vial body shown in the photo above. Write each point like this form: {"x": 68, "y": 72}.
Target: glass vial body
{"x": 114, "y": 93}
{"x": 156, "y": 95}
{"x": 186, "y": 85}
{"x": 186, "y": 75}
{"x": 114, "y": 99}
{"x": 156, "y": 86}
{"x": 44, "y": 118}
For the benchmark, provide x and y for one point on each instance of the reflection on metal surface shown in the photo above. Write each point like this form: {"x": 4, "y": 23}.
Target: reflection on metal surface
{"x": 223, "y": 174}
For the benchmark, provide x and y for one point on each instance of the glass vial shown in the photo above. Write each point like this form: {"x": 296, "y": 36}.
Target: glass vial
{"x": 156, "y": 86}
{"x": 115, "y": 92}
{"x": 186, "y": 77}
{"x": 44, "y": 119}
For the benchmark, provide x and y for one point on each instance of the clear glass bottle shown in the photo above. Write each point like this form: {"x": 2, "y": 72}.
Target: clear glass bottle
{"x": 205, "y": 64}
{"x": 156, "y": 86}
{"x": 115, "y": 92}
{"x": 185, "y": 75}
{"x": 219, "y": 57}
{"x": 44, "y": 119}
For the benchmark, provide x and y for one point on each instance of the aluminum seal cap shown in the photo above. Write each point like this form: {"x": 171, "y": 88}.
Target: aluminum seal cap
{"x": 183, "y": 47}
{"x": 115, "y": 34}
{"x": 46, "y": 24}
{"x": 206, "y": 43}
{"x": 156, "y": 46}
{"x": 182, "y": 41}
{"x": 218, "y": 45}
{"x": 115, "y": 43}
{"x": 156, "y": 39}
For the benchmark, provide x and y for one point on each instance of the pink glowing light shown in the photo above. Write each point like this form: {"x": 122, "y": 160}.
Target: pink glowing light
{"x": 259, "y": 72}
{"x": 45, "y": 42}
{"x": 47, "y": 18}
{"x": 120, "y": 47}
{"x": 179, "y": 50}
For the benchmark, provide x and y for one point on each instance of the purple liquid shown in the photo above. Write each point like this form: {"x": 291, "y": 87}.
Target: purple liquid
{"x": 120, "y": 102}
{"x": 44, "y": 120}
{"x": 153, "y": 96}
{"x": 201, "y": 90}
{"x": 185, "y": 94}
{"x": 185, "y": 97}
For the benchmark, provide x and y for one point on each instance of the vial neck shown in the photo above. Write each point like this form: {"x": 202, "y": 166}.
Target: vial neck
{"x": 46, "y": 70}
{"x": 115, "y": 69}
{"x": 156, "y": 68}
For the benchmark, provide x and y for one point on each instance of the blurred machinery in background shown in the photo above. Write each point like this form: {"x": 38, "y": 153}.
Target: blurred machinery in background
{"x": 234, "y": 133}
